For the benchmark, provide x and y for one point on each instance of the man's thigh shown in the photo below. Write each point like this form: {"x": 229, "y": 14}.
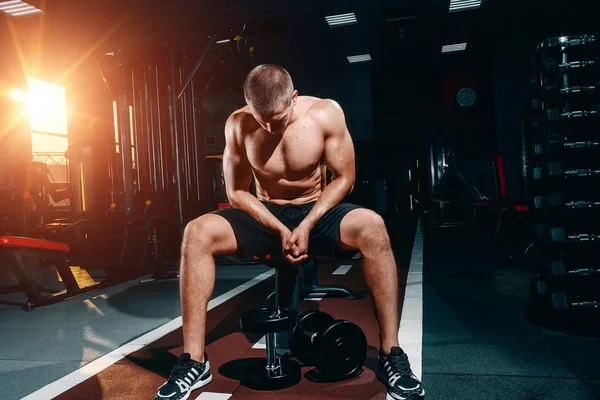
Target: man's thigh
{"x": 325, "y": 235}
{"x": 253, "y": 238}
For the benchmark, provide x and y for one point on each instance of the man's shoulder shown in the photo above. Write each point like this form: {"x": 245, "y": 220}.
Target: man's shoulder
{"x": 241, "y": 121}
{"x": 324, "y": 112}
{"x": 318, "y": 107}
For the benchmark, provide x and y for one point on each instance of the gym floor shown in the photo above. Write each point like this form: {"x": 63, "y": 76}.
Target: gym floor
{"x": 463, "y": 325}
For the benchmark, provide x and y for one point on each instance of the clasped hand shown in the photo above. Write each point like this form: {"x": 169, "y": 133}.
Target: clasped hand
{"x": 294, "y": 244}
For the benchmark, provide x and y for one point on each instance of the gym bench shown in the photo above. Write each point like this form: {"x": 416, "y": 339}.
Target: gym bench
{"x": 15, "y": 250}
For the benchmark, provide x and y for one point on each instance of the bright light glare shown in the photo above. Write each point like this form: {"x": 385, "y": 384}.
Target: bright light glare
{"x": 41, "y": 143}
{"x": 18, "y": 95}
{"x": 47, "y": 107}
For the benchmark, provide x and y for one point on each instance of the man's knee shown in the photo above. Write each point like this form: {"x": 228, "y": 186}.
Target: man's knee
{"x": 203, "y": 234}
{"x": 368, "y": 228}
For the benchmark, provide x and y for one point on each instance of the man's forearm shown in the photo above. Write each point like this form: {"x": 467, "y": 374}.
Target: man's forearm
{"x": 247, "y": 202}
{"x": 332, "y": 195}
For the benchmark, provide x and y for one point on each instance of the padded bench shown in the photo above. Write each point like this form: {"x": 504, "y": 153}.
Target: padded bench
{"x": 14, "y": 250}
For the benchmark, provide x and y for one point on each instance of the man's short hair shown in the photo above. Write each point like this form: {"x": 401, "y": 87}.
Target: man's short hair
{"x": 266, "y": 87}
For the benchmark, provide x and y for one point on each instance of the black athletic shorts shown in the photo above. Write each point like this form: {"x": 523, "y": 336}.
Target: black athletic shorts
{"x": 255, "y": 239}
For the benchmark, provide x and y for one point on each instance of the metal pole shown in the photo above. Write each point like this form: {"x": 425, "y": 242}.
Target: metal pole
{"x": 125, "y": 134}
{"x": 186, "y": 154}
{"x": 198, "y": 162}
{"x": 174, "y": 114}
{"x": 136, "y": 129}
{"x": 211, "y": 40}
{"x": 161, "y": 148}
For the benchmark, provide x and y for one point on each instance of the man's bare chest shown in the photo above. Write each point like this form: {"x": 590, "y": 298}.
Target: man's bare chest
{"x": 291, "y": 157}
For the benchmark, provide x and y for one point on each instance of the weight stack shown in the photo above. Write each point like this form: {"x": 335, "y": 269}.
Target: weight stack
{"x": 561, "y": 153}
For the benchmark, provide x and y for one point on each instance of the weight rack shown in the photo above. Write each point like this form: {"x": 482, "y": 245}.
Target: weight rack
{"x": 562, "y": 170}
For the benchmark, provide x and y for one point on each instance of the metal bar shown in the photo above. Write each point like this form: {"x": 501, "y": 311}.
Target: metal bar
{"x": 149, "y": 133}
{"x": 271, "y": 356}
{"x": 125, "y": 134}
{"x": 185, "y": 161}
{"x": 197, "y": 159}
{"x": 161, "y": 159}
{"x": 174, "y": 100}
{"x": 136, "y": 130}
{"x": 211, "y": 40}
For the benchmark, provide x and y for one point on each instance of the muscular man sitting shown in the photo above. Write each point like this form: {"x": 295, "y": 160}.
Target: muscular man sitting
{"x": 283, "y": 140}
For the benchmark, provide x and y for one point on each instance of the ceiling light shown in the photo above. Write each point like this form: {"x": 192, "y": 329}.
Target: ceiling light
{"x": 359, "y": 58}
{"x": 223, "y": 41}
{"x": 341, "y": 19}
{"x": 453, "y": 48}
{"x": 18, "y": 8}
{"x": 463, "y": 5}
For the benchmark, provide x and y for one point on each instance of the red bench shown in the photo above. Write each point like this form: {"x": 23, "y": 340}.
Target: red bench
{"x": 14, "y": 250}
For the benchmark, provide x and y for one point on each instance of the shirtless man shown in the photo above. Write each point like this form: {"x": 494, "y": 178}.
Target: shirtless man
{"x": 284, "y": 140}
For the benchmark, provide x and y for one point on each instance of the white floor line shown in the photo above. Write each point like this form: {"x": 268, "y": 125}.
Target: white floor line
{"x": 342, "y": 270}
{"x": 261, "y": 344}
{"x": 95, "y": 367}
{"x": 214, "y": 396}
{"x": 410, "y": 334}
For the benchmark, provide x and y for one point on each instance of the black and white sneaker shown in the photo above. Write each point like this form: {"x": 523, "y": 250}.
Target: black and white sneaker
{"x": 187, "y": 375}
{"x": 394, "y": 370}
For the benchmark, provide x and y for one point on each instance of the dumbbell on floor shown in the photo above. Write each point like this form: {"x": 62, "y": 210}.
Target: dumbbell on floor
{"x": 337, "y": 348}
{"x": 273, "y": 372}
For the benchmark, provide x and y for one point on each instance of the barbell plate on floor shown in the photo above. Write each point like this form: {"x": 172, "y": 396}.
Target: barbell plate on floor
{"x": 309, "y": 325}
{"x": 342, "y": 351}
{"x": 258, "y": 377}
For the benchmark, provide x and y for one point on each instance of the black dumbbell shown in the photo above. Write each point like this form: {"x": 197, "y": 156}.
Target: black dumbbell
{"x": 272, "y": 373}
{"x": 337, "y": 348}
{"x": 557, "y": 268}
{"x": 558, "y": 234}
{"x": 554, "y": 170}
{"x": 542, "y": 297}
{"x": 555, "y": 115}
{"x": 555, "y": 203}
{"x": 555, "y": 146}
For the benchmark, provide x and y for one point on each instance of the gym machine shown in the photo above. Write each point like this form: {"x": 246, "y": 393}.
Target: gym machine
{"x": 562, "y": 169}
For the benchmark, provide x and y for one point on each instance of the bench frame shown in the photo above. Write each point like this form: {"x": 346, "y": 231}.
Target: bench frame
{"x": 15, "y": 250}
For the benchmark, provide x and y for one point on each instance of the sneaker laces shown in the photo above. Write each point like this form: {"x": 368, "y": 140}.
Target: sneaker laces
{"x": 400, "y": 364}
{"x": 179, "y": 372}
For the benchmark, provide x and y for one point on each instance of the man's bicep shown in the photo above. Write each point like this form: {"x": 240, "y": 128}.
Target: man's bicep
{"x": 339, "y": 148}
{"x": 339, "y": 155}
{"x": 236, "y": 168}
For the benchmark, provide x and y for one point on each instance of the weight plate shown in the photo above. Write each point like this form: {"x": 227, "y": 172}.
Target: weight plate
{"x": 342, "y": 351}
{"x": 268, "y": 320}
{"x": 310, "y": 325}
{"x": 258, "y": 377}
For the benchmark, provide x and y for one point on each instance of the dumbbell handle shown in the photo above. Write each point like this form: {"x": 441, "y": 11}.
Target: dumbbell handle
{"x": 583, "y": 204}
{"x": 584, "y": 237}
{"x": 577, "y": 89}
{"x": 578, "y": 114}
{"x": 581, "y": 145}
{"x": 586, "y": 304}
{"x": 577, "y": 64}
{"x": 312, "y": 334}
{"x": 582, "y": 172}
{"x": 585, "y": 271}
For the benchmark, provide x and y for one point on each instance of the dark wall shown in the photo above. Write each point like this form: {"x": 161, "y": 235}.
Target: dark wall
{"x": 351, "y": 88}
